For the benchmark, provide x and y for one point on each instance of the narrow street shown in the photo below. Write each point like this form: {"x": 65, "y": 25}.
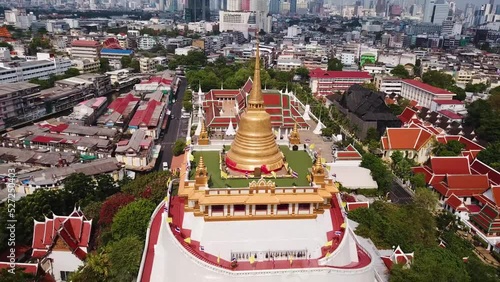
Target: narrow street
{"x": 176, "y": 127}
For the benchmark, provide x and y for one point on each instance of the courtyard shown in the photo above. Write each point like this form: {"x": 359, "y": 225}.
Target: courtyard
{"x": 299, "y": 161}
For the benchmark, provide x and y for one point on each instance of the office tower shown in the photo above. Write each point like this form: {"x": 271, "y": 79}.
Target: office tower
{"x": 440, "y": 13}
{"x": 293, "y": 6}
{"x": 233, "y": 5}
{"x": 197, "y": 10}
{"x": 380, "y": 7}
{"x": 161, "y": 5}
{"x": 245, "y": 5}
{"x": 428, "y": 10}
{"x": 274, "y": 7}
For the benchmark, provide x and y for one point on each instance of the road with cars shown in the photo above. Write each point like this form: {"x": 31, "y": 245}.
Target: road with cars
{"x": 176, "y": 128}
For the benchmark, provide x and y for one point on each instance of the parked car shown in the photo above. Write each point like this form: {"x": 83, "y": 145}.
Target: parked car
{"x": 165, "y": 166}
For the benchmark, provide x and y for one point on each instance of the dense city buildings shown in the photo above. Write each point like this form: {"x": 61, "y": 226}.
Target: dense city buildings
{"x": 250, "y": 140}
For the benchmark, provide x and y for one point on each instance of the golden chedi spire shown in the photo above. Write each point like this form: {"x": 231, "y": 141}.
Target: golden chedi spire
{"x": 254, "y": 146}
{"x": 201, "y": 176}
{"x": 203, "y": 138}
{"x": 294, "y": 136}
{"x": 317, "y": 171}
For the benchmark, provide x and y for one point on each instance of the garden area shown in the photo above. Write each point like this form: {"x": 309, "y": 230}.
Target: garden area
{"x": 299, "y": 161}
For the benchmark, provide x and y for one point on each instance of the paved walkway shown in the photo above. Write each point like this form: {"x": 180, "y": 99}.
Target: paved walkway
{"x": 317, "y": 140}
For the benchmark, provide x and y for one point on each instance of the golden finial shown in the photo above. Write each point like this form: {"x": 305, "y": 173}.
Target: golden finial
{"x": 317, "y": 164}
{"x": 256, "y": 100}
{"x": 201, "y": 164}
{"x": 203, "y": 128}
{"x": 295, "y": 128}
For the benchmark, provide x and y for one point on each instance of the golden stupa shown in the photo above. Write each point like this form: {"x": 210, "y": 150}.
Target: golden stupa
{"x": 254, "y": 146}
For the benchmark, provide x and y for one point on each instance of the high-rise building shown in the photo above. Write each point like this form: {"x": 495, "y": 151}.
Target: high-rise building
{"x": 428, "y": 10}
{"x": 293, "y": 6}
{"x": 197, "y": 10}
{"x": 161, "y": 5}
{"x": 440, "y": 13}
{"x": 233, "y": 5}
{"x": 274, "y": 6}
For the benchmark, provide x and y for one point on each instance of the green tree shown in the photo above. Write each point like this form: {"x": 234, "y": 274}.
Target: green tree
{"x": 372, "y": 134}
{"x": 396, "y": 157}
{"x": 96, "y": 268}
{"x": 160, "y": 68}
{"x": 152, "y": 186}
{"x": 5, "y": 44}
{"x": 179, "y": 146}
{"x": 71, "y": 72}
{"x": 327, "y": 131}
{"x": 495, "y": 90}
{"x": 460, "y": 92}
{"x": 400, "y": 71}
{"x": 104, "y": 65}
{"x": 403, "y": 169}
{"x": 80, "y": 188}
{"x": 335, "y": 64}
{"x": 126, "y": 61}
{"x": 303, "y": 72}
{"x": 92, "y": 210}
{"x": 451, "y": 148}
{"x": 379, "y": 171}
{"x": 438, "y": 79}
{"x": 370, "y": 86}
{"x": 476, "y": 88}
{"x": 418, "y": 180}
{"x": 125, "y": 258}
{"x": 426, "y": 199}
{"x": 19, "y": 275}
{"x": 433, "y": 264}
{"x": 135, "y": 65}
{"x": 491, "y": 155}
{"x": 132, "y": 220}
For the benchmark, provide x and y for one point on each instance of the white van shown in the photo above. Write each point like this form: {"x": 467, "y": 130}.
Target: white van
{"x": 165, "y": 166}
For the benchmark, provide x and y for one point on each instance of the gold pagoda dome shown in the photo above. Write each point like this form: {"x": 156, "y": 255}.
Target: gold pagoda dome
{"x": 254, "y": 146}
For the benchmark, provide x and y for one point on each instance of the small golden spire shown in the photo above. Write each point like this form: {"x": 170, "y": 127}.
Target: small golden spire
{"x": 203, "y": 128}
{"x": 295, "y": 128}
{"x": 318, "y": 164}
{"x": 201, "y": 164}
{"x": 256, "y": 100}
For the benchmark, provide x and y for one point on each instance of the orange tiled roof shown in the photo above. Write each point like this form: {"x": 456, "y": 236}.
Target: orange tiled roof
{"x": 406, "y": 138}
{"x": 4, "y": 32}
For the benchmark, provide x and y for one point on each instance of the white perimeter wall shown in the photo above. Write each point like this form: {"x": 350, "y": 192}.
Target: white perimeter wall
{"x": 173, "y": 264}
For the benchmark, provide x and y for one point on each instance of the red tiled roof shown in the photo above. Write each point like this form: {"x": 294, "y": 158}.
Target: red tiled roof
{"x": 495, "y": 191}
{"x": 454, "y": 202}
{"x": 85, "y": 43}
{"x": 450, "y": 114}
{"x": 407, "y": 115}
{"x": 4, "y": 32}
{"x": 144, "y": 116}
{"x": 319, "y": 73}
{"x": 479, "y": 167}
{"x": 73, "y": 229}
{"x": 473, "y": 208}
{"x": 407, "y": 138}
{"x": 357, "y": 205}
{"x": 120, "y": 104}
{"x": 450, "y": 165}
{"x": 31, "y": 268}
{"x": 448, "y": 102}
{"x": 427, "y": 87}
{"x": 467, "y": 181}
{"x": 45, "y": 139}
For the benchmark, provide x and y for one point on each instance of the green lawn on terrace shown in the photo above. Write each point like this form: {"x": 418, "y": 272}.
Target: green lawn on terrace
{"x": 299, "y": 161}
